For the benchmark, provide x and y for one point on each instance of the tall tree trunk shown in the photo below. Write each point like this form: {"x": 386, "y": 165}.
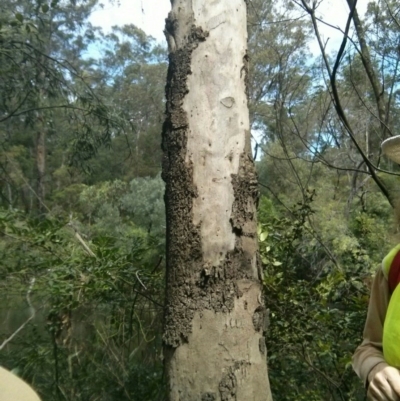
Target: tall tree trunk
{"x": 214, "y": 346}
{"x": 41, "y": 168}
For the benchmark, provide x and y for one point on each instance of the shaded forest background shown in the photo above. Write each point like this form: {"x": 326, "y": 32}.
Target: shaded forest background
{"x": 82, "y": 229}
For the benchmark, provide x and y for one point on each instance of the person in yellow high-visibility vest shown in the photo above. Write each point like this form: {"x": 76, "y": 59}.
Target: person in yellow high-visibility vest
{"x": 12, "y": 388}
{"x": 377, "y": 359}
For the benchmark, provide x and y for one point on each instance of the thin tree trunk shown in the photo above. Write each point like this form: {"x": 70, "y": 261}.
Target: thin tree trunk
{"x": 10, "y": 198}
{"x": 215, "y": 319}
{"x": 370, "y": 70}
{"x": 41, "y": 168}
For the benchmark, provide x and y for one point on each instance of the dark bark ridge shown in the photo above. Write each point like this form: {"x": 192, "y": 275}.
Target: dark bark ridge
{"x": 193, "y": 286}
{"x": 228, "y": 383}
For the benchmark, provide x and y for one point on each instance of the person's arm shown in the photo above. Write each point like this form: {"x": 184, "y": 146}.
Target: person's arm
{"x": 369, "y": 354}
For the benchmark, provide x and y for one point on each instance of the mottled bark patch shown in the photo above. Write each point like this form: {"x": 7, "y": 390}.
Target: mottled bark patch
{"x": 244, "y": 211}
{"x": 245, "y": 187}
{"x": 183, "y": 238}
{"x": 228, "y": 384}
{"x": 261, "y": 319}
{"x": 208, "y": 397}
{"x": 193, "y": 286}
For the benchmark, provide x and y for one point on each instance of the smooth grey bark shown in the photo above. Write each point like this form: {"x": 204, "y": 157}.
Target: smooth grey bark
{"x": 215, "y": 319}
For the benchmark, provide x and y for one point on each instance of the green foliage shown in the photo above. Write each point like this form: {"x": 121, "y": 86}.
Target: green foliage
{"x": 97, "y": 330}
{"x": 317, "y": 309}
{"x": 87, "y": 231}
{"x": 145, "y": 203}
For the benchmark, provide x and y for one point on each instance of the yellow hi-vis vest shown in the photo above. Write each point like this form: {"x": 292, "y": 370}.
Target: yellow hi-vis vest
{"x": 391, "y": 327}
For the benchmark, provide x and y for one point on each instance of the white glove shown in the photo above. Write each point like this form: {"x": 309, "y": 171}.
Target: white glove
{"x": 384, "y": 383}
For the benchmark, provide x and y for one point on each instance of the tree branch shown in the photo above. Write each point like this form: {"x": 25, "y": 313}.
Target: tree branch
{"x": 33, "y": 313}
